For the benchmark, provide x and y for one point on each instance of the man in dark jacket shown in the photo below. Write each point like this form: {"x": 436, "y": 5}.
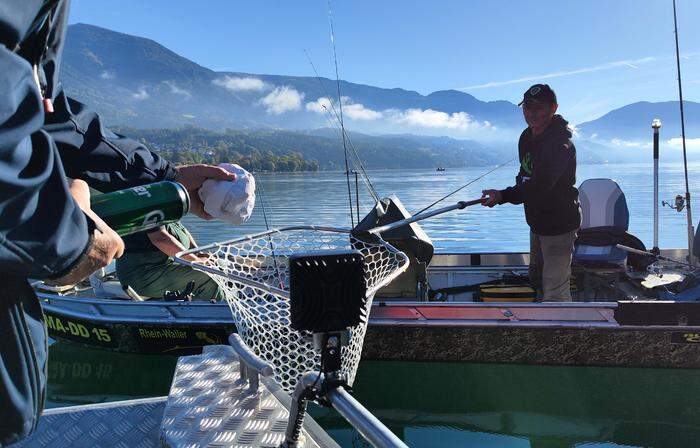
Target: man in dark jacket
{"x": 545, "y": 184}
{"x": 47, "y": 230}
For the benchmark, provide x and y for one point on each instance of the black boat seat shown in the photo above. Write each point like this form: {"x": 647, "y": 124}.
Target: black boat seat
{"x": 603, "y": 204}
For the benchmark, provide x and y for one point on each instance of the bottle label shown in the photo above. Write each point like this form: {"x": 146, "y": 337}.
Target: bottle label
{"x": 141, "y": 191}
{"x": 153, "y": 217}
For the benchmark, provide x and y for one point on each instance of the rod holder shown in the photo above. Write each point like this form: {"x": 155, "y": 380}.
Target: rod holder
{"x": 250, "y": 365}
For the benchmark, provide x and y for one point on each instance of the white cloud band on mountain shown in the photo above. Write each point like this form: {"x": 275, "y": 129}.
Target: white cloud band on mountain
{"x": 177, "y": 90}
{"x": 416, "y": 118}
{"x": 690, "y": 143}
{"x": 628, "y": 143}
{"x": 238, "y": 84}
{"x": 351, "y": 110}
{"x": 429, "y": 118}
{"x": 140, "y": 95}
{"x": 359, "y": 112}
{"x": 321, "y": 106}
{"x": 282, "y": 99}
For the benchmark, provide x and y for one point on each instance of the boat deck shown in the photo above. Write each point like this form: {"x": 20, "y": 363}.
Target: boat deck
{"x": 209, "y": 404}
{"x": 125, "y": 424}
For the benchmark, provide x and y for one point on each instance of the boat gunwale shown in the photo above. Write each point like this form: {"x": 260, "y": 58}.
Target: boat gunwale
{"x": 380, "y": 322}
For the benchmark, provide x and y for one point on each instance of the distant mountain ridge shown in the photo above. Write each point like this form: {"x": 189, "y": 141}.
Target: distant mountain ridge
{"x": 137, "y": 82}
{"x": 633, "y": 122}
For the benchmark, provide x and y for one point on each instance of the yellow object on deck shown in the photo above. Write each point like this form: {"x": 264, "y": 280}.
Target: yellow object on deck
{"x": 505, "y": 293}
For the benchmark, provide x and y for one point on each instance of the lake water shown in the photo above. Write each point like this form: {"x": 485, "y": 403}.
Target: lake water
{"x": 449, "y": 404}
{"x": 322, "y": 199}
{"x": 445, "y": 405}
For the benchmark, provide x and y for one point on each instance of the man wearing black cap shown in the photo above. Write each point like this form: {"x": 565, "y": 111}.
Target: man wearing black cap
{"x": 545, "y": 184}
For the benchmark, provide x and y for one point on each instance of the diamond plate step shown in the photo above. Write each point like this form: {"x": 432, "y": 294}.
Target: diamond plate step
{"x": 122, "y": 424}
{"x": 210, "y": 405}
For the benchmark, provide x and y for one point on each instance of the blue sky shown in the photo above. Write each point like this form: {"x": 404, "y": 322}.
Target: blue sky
{"x": 598, "y": 55}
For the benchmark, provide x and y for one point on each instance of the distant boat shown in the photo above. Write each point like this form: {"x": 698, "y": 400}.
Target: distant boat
{"x": 440, "y": 168}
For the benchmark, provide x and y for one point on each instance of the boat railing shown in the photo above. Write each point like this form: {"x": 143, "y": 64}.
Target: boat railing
{"x": 363, "y": 420}
{"x": 251, "y": 367}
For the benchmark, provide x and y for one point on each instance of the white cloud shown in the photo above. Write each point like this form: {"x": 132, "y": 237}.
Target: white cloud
{"x": 320, "y": 106}
{"x": 236, "y": 84}
{"x": 108, "y": 74}
{"x": 430, "y": 118}
{"x": 574, "y": 130}
{"x": 558, "y": 74}
{"x": 627, "y": 143}
{"x": 282, "y": 99}
{"x": 354, "y": 111}
{"x": 359, "y": 112}
{"x": 140, "y": 95}
{"x": 177, "y": 90}
{"x": 627, "y": 63}
{"x": 690, "y": 143}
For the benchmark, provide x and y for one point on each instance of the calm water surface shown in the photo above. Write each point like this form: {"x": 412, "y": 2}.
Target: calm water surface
{"x": 436, "y": 405}
{"x": 322, "y": 199}
{"x": 445, "y": 404}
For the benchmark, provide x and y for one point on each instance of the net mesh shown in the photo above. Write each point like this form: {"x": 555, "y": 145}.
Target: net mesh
{"x": 254, "y": 274}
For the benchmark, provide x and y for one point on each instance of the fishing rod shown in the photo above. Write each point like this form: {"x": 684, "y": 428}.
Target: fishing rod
{"x": 466, "y": 185}
{"x": 419, "y": 217}
{"x": 357, "y": 186}
{"x": 340, "y": 106}
{"x": 685, "y": 159}
{"x": 652, "y": 254}
{"x": 357, "y": 160}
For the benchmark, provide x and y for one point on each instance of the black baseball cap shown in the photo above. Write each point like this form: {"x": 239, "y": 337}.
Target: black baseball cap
{"x": 541, "y": 93}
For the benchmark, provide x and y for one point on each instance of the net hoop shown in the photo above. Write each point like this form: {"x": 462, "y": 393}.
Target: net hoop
{"x": 253, "y": 272}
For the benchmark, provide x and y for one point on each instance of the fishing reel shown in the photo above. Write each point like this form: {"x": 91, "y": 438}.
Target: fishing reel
{"x": 186, "y": 294}
{"x": 679, "y": 204}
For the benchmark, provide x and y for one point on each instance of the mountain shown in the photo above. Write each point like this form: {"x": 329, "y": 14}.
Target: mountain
{"x": 136, "y": 82}
{"x": 321, "y": 148}
{"x": 633, "y": 122}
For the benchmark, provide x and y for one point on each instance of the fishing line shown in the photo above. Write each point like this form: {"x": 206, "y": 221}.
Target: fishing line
{"x": 465, "y": 185}
{"x": 357, "y": 160}
{"x": 357, "y": 188}
{"x": 267, "y": 227}
{"x": 340, "y": 105}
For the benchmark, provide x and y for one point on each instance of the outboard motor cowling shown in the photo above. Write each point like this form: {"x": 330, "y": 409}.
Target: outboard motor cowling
{"x": 410, "y": 239}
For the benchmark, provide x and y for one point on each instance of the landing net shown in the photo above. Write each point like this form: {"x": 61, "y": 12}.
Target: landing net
{"x": 254, "y": 273}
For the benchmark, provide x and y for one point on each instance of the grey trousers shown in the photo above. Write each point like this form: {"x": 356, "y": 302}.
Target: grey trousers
{"x": 550, "y": 265}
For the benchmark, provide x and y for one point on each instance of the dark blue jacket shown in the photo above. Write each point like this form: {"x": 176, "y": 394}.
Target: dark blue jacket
{"x": 546, "y": 180}
{"x": 42, "y": 231}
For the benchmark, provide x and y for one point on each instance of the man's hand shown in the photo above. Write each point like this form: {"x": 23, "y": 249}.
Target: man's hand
{"x": 193, "y": 176}
{"x": 106, "y": 244}
{"x": 489, "y": 198}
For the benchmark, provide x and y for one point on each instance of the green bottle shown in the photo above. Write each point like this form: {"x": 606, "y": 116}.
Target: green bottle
{"x": 142, "y": 208}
